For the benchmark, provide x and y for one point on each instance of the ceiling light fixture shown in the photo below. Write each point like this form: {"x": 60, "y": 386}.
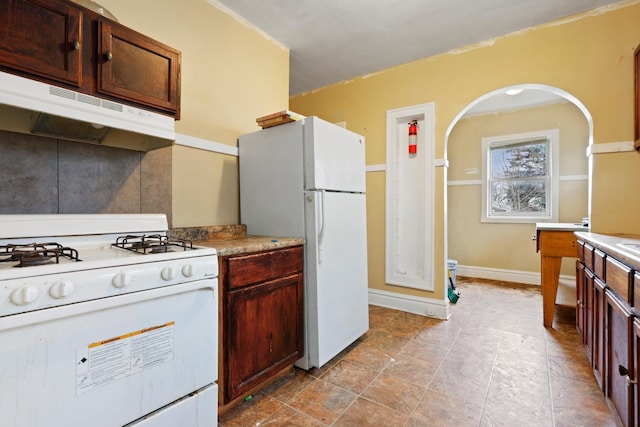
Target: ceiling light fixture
{"x": 514, "y": 92}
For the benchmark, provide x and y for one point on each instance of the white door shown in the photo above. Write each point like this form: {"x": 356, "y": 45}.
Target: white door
{"x": 336, "y": 283}
{"x": 334, "y": 157}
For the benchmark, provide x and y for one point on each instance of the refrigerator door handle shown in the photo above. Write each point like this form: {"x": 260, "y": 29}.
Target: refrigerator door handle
{"x": 321, "y": 230}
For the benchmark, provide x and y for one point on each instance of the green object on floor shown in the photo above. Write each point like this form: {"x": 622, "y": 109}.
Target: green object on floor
{"x": 248, "y": 398}
{"x": 452, "y": 293}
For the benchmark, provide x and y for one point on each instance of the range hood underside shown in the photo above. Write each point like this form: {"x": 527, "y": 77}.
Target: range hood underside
{"x": 29, "y": 106}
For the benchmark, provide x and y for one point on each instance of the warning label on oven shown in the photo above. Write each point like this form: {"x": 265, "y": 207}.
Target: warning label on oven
{"x": 104, "y": 362}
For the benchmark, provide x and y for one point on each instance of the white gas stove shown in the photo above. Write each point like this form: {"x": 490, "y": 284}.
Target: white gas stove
{"x": 106, "y": 322}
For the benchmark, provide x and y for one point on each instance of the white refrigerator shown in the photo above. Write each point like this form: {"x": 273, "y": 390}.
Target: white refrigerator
{"x": 307, "y": 179}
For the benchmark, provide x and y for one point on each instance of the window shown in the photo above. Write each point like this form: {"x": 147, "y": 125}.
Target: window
{"x": 520, "y": 177}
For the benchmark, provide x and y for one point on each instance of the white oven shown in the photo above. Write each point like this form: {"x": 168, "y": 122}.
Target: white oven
{"x": 111, "y": 338}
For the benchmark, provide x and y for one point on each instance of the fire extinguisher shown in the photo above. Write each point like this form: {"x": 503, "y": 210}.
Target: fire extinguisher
{"x": 413, "y": 137}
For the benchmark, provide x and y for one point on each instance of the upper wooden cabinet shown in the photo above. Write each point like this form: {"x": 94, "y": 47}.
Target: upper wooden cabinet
{"x": 138, "y": 68}
{"x": 42, "y": 37}
{"x": 62, "y": 43}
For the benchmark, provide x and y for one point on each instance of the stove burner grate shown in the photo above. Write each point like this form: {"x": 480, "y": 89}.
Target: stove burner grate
{"x": 151, "y": 244}
{"x": 32, "y": 254}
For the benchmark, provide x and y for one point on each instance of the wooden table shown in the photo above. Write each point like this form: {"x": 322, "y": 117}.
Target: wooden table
{"x": 554, "y": 241}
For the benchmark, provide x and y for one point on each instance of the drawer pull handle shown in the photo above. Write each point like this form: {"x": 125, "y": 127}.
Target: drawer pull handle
{"x": 108, "y": 55}
{"x": 625, "y": 372}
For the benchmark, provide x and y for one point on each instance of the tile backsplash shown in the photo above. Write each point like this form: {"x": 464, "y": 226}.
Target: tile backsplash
{"x": 41, "y": 175}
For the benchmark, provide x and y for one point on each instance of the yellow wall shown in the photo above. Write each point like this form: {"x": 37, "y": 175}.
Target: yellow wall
{"x": 231, "y": 74}
{"x": 509, "y": 246}
{"x": 590, "y": 56}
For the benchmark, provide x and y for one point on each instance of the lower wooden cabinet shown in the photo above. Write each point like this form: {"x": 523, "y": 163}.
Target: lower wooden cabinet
{"x": 607, "y": 320}
{"x": 619, "y": 356}
{"x": 262, "y": 318}
{"x": 636, "y": 368}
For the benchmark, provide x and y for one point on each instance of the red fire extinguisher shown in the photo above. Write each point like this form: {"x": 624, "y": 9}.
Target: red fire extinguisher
{"x": 413, "y": 137}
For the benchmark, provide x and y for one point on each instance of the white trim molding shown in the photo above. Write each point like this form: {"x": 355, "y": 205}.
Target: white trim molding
{"x": 376, "y": 168}
{"x": 466, "y": 182}
{"x": 204, "y": 144}
{"x": 439, "y": 163}
{"x": 563, "y": 178}
{"x": 574, "y": 178}
{"x": 610, "y": 147}
{"x": 429, "y": 307}
{"x": 517, "y": 276}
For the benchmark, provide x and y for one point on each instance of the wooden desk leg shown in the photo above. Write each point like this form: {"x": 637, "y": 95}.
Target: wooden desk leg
{"x": 550, "y": 277}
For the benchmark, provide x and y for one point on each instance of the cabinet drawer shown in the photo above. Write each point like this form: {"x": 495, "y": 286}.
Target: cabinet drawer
{"x": 598, "y": 263}
{"x": 619, "y": 279}
{"x": 580, "y": 247}
{"x": 248, "y": 269}
{"x": 557, "y": 243}
{"x": 587, "y": 256}
{"x": 636, "y": 291}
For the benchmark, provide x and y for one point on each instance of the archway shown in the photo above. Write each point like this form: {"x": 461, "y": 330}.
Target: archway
{"x": 504, "y": 251}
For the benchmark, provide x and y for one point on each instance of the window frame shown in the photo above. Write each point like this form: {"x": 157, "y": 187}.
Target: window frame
{"x": 553, "y": 166}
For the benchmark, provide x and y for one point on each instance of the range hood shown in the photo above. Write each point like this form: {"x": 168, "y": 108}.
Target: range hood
{"x": 43, "y": 109}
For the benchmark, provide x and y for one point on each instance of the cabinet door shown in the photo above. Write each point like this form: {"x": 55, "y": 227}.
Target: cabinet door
{"x": 589, "y": 312}
{"x": 53, "y": 53}
{"x": 619, "y": 369}
{"x": 263, "y": 332}
{"x": 137, "y": 68}
{"x": 636, "y": 368}
{"x": 598, "y": 331}
{"x": 580, "y": 300}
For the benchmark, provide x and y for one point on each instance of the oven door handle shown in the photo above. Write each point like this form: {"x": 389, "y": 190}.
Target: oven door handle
{"x": 60, "y": 312}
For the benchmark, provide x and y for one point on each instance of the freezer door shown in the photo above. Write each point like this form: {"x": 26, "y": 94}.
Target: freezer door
{"x": 334, "y": 157}
{"x": 336, "y": 284}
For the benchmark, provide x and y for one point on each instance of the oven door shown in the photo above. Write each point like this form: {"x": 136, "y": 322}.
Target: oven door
{"x": 111, "y": 361}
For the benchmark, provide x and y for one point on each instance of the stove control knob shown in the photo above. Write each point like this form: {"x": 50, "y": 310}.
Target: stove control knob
{"x": 168, "y": 273}
{"x": 188, "y": 270}
{"x": 122, "y": 280}
{"x": 24, "y": 295}
{"x": 61, "y": 289}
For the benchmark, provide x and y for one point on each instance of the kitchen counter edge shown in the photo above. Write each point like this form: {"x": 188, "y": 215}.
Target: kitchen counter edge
{"x": 615, "y": 245}
{"x": 249, "y": 244}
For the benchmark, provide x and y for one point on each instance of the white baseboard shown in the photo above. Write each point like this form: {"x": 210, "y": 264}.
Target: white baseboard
{"x": 527, "y": 277}
{"x": 439, "y": 309}
{"x": 429, "y": 307}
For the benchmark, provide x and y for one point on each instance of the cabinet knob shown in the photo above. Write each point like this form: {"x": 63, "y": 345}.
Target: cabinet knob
{"x": 108, "y": 55}
{"x": 76, "y": 45}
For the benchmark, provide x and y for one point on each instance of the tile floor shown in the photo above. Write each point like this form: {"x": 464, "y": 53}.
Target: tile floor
{"x": 491, "y": 364}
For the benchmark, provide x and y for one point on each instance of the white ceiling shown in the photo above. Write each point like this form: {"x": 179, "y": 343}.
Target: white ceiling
{"x": 335, "y": 40}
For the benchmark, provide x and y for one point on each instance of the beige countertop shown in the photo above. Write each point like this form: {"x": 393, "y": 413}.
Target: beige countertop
{"x": 232, "y": 239}
{"x": 249, "y": 244}
{"x": 626, "y": 248}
